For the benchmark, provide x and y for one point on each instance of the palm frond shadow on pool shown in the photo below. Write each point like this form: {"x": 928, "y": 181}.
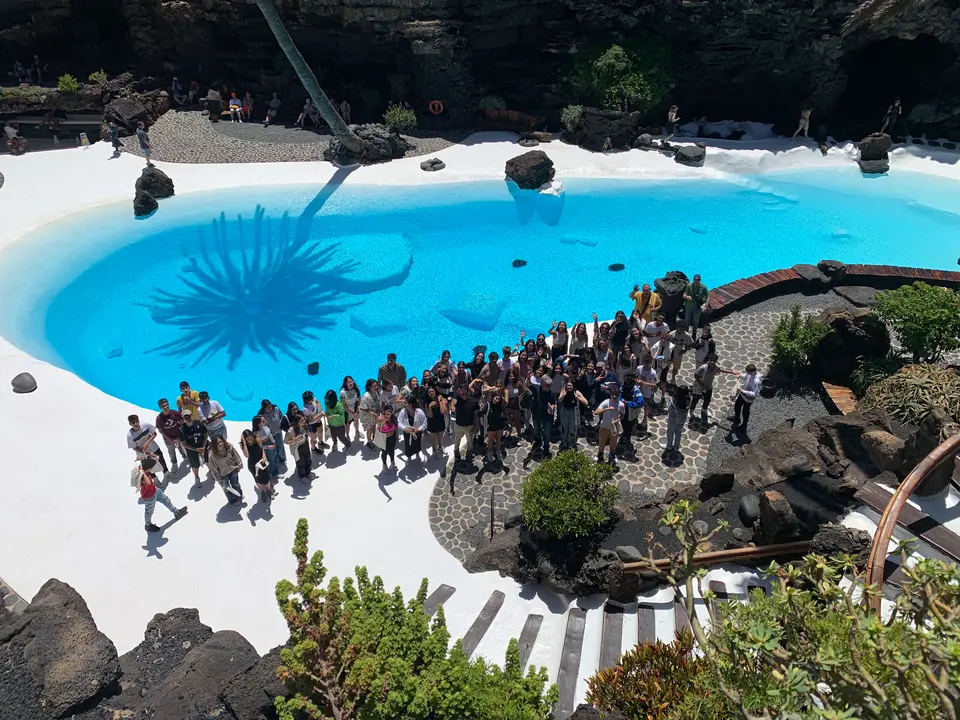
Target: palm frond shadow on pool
{"x": 271, "y": 294}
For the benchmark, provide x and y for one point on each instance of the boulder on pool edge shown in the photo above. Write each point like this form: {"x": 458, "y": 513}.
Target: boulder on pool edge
{"x": 531, "y": 170}
{"x": 156, "y": 182}
{"x": 24, "y": 383}
{"x": 379, "y": 145}
{"x": 874, "y": 158}
{"x": 670, "y": 289}
{"x": 690, "y": 155}
{"x": 144, "y": 203}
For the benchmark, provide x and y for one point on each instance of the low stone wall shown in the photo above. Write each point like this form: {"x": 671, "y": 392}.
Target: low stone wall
{"x": 826, "y": 275}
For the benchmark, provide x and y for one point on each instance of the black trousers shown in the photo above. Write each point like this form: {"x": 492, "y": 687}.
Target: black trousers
{"x": 707, "y": 397}
{"x": 741, "y": 407}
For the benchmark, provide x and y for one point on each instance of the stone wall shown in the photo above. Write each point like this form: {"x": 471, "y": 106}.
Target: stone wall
{"x": 733, "y": 59}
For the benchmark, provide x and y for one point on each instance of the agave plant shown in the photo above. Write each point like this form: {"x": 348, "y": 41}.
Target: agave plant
{"x": 910, "y": 394}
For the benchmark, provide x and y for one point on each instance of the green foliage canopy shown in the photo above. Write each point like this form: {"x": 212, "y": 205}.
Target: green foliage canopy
{"x": 925, "y": 318}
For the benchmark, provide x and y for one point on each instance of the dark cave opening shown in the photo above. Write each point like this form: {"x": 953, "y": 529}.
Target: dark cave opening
{"x": 912, "y": 70}
{"x": 96, "y": 36}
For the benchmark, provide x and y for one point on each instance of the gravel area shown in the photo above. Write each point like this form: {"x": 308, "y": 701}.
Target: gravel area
{"x": 187, "y": 136}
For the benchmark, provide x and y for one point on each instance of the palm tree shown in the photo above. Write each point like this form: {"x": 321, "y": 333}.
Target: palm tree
{"x": 309, "y": 80}
{"x": 872, "y": 11}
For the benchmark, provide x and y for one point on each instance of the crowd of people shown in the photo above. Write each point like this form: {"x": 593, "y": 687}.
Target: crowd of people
{"x": 547, "y": 390}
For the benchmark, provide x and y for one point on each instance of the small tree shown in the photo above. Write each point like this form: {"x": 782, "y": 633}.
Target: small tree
{"x": 358, "y": 652}
{"x": 794, "y": 337}
{"x": 619, "y": 75}
{"x": 68, "y": 84}
{"x": 568, "y": 495}
{"x": 925, "y": 319}
{"x": 400, "y": 119}
{"x": 813, "y": 649}
{"x": 98, "y": 77}
{"x": 570, "y": 116}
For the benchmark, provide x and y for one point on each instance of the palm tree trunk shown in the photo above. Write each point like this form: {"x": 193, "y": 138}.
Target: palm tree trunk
{"x": 309, "y": 80}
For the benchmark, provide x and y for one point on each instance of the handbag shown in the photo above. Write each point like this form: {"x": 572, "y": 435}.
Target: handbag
{"x": 617, "y": 427}
{"x": 380, "y": 440}
{"x": 262, "y": 464}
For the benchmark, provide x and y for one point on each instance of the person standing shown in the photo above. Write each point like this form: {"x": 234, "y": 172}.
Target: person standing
{"x": 141, "y": 438}
{"x": 168, "y": 423}
{"x": 892, "y": 118}
{"x": 804, "y": 123}
{"x": 645, "y": 302}
{"x": 703, "y": 385}
{"x": 654, "y": 329}
{"x": 314, "y": 417}
{"x": 673, "y": 118}
{"x": 676, "y": 418}
{"x": 747, "y": 391}
{"x": 647, "y": 381}
{"x": 662, "y": 353}
{"x": 633, "y": 399}
{"x": 274, "y": 421}
{"x": 193, "y": 437}
{"x": 436, "y": 411}
{"x": 350, "y": 397}
{"x": 465, "y": 409}
{"x": 212, "y": 414}
{"x": 704, "y": 346}
{"x": 369, "y": 410}
{"x": 542, "y": 408}
{"x": 569, "y": 403}
{"x": 115, "y": 138}
{"x": 496, "y": 422}
{"x": 225, "y": 464}
{"x": 387, "y": 425}
{"x": 412, "y": 422}
{"x": 265, "y": 438}
{"x": 336, "y": 419}
{"x": 188, "y": 399}
{"x": 610, "y": 412}
{"x": 151, "y": 495}
{"x": 145, "y": 146}
{"x": 298, "y": 439}
{"x": 257, "y": 464}
{"x": 694, "y": 303}
{"x": 273, "y": 107}
{"x": 392, "y": 371}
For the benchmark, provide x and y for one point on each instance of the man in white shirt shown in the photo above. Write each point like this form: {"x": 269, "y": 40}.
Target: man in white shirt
{"x": 141, "y": 438}
{"x": 663, "y": 352}
{"x": 747, "y": 391}
{"x": 610, "y": 412}
{"x": 655, "y": 328}
{"x": 647, "y": 381}
{"x": 212, "y": 414}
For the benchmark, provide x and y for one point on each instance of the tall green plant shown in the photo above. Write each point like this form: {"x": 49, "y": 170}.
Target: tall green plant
{"x": 794, "y": 337}
{"x": 309, "y": 80}
{"x": 358, "y": 652}
{"x": 636, "y": 75}
{"x": 568, "y": 495}
{"x": 925, "y": 318}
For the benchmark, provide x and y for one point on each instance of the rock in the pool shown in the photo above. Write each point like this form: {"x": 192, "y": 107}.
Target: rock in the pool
{"x": 432, "y": 165}
{"x": 874, "y": 158}
{"x": 144, "y": 203}
{"x": 518, "y": 263}
{"x": 528, "y": 142}
{"x": 313, "y": 368}
{"x": 24, "y": 383}
{"x": 531, "y": 170}
{"x": 615, "y": 267}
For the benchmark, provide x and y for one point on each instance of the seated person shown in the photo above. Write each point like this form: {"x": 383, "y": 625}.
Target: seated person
{"x": 272, "y": 107}
{"x": 236, "y": 108}
{"x": 247, "y": 105}
{"x": 176, "y": 90}
{"x": 194, "y": 93}
{"x": 309, "y": 111}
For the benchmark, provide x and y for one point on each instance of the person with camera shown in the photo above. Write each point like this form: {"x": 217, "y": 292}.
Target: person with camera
{"x": 611, "y": 412}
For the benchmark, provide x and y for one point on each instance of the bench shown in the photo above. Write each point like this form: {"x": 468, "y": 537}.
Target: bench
{"x": 91, "y": 120}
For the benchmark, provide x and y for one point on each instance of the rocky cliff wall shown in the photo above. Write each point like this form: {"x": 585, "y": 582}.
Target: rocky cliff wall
{"x": 730, "y": 58}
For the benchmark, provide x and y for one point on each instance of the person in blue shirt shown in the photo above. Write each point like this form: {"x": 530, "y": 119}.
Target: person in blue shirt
{"x": 633, "y": 399}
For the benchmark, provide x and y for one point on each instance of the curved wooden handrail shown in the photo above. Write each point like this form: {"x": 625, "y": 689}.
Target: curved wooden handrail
{"x": 888, "y": 521}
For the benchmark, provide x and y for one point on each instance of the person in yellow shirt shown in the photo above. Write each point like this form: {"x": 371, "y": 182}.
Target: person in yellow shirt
{"x": 646, "y": 303}
{"x": 188, "y": 399}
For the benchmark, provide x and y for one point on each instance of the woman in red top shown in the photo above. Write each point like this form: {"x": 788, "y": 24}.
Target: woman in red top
{"x": 150, "y": 493}
{"x": 388, "y": 426}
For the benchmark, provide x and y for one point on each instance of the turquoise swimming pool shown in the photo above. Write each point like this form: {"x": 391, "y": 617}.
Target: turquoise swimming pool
{"x": 237, "y": 291}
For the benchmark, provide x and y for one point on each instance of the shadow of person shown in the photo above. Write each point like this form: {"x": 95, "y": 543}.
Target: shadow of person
{"x": 386, "y": 478}
{"x": 672, "y": 458}
{"x": 260, "y": 511}
{"x": 300, "y": 487}
{"x": 737, "y": 436}
{"x": 199, "y": 492}
{"x": 156, "y": 540}
{"x": 230, "y": 512}
{"x": 556, "y": 604}
{"x": 335, "y": 459}
{"x": 412, "y": 471}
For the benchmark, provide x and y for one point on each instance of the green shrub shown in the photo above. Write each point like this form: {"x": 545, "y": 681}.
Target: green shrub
{"x": 570, "y": 116}
{"x": 492, "y": 102}
{"x": 925, "y": 319}
{"x": 68, "y": 84}
{"x": 358, "y": 652}
{"x": 911, "y": 393}
{"x": 870, "y": 370}
{"x": 98, "y": 77}
{"x": 648, "y": 681}
{"x": 619, "y": 74}
{"x": 794, "y": 337}
{"x": 400, "y": 119}
{"x": 568, "y": 495}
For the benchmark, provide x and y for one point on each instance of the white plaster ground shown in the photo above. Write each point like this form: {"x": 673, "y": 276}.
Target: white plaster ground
{"x": 68, "y": 511}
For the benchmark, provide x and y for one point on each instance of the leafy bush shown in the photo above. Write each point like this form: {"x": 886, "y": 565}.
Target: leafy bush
{"x": 814, "y": 650}
{"x": 617, "y": 74}
{"x": 492, "y": 102}
{"x": 925, "y": 319}
{"x": 400, "y": 119}
{"x": 648, "y": 681}
{"x": 568, "y": 495}
{"x": 98, "y": 77}
{"x": 870, "y": 370}
{"x": 357, "y": 652}
{"x": 570, "y": 116}
{"x": 794, "y": 337}
{"x": 68, "y": 84}
{"x": 910, "y": 394}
